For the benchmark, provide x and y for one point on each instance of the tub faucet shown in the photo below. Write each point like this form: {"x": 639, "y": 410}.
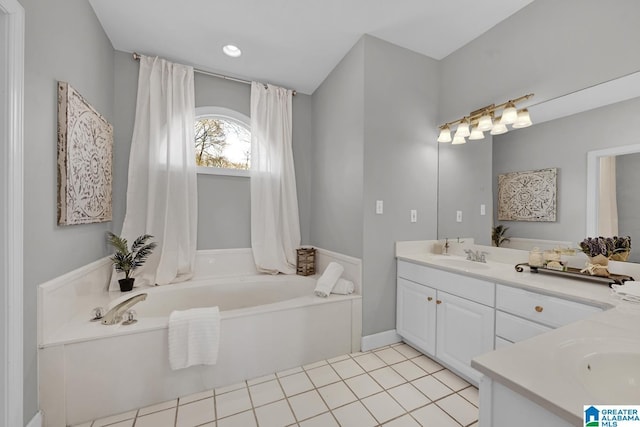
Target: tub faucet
{"x": 114, "y": 315}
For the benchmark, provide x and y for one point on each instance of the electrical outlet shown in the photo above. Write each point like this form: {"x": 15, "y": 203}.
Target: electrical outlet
{"x": 458, "y": 216}
{"x": 414, "y": 215}
{"x": 379, "y": 207}
{"x": 483, "y": 209}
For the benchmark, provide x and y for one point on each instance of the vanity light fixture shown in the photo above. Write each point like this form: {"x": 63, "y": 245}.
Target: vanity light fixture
{"x": 509, "y": 114}
{"x": 463, "y": 129}
{"x": 523, "y": 120}
{"x": 476, "y": 134}
{"x": 231, "y": 50}
{"x": 498, "y": 129}
{"x": 485, "y": 122}
{"x": 484, "y": 119}
{"x": 458, "y": 140}
{"x": 445, "y": 134}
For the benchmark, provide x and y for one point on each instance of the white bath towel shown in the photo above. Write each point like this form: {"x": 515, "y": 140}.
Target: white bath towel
{"x": 343, "y": 287}
{"x": 328, "y": 280}
{"x": 194, "y": 337}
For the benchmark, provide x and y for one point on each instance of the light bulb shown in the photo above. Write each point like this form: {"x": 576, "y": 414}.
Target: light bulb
{"x": 509, "y": 115}
{"x": 498, "y": 129}
{"x": 458, "y": 140}
{"x": 445, "y": 134}
{"x": 485, "y": 122}
{"x": 476, "y": 134}
{"x": 523, "y": 120}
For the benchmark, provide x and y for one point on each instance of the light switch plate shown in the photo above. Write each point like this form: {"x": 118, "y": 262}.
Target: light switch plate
{"x": 483, "y": 209}
{"x": 414, "y": 215}
{"x": 458, "y": 216}
{"x": 379, "y": 207}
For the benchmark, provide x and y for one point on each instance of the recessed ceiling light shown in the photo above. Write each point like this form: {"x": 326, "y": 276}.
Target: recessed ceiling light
{"x": 232, "y": 51}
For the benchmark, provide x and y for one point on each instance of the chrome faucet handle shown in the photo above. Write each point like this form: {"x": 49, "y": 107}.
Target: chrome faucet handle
{"x": 483, "y": 255}
{"x": 469, "y": 253}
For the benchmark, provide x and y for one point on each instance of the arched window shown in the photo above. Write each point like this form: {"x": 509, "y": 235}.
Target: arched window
{"x": 222, "y": 141}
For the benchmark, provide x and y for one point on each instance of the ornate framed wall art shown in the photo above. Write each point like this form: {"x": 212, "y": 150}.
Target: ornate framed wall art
{"x": 528, "y": 195}
{"x": 85, "y": 156}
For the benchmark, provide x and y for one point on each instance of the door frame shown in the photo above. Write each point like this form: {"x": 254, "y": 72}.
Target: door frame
{"x": 11, "y": 203}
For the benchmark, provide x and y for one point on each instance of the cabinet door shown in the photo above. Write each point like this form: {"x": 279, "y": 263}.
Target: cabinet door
{"x": 465, "y": 330}
{"x": 416, "y": 315}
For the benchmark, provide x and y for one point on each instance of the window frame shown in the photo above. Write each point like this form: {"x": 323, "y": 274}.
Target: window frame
{"x": 227, "y": 113}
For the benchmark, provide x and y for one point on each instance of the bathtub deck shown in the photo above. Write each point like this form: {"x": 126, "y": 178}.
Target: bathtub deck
{"x": 395, "y": 384}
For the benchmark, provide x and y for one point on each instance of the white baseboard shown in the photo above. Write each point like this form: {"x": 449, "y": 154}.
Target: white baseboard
{"x": 36, "y": 421}
{"x": 380, "y": 339}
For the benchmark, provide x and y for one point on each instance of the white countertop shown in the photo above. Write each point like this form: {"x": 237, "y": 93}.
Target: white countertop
{"x": 542, "y": 368}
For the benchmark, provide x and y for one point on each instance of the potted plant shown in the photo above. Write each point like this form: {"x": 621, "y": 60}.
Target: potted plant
{"x": 125, "y": 260}
{"x": 497, "y": 235}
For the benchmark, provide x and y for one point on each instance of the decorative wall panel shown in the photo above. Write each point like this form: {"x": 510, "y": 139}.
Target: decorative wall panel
{"x": 528, "y": 195}
{"x": 85, "y": 147}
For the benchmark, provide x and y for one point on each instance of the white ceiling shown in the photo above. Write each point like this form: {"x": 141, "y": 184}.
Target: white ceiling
{"x": 293, "y": 43}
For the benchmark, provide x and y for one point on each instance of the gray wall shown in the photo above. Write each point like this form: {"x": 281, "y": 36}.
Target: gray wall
{"x": 224, "y": 216}
{"x": 549, "y": 48}
{"x": 338, "y": 159}
{"x": 400, "y": 167}
{"x": 563, "y": 143}
{"x": 627, "y": 179}
{"x": 374, "y": 121}
{"x": 64, "y": 41}
{"x": 4, "y": 185}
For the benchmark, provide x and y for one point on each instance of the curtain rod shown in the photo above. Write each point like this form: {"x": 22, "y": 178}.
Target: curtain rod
{"x": 136, "y": 57}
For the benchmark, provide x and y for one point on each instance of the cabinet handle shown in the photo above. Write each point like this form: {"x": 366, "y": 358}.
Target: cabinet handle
{"x": 438, "y": 301}
{"x": 429, "y": 298}
{"x": 539, "y": 308}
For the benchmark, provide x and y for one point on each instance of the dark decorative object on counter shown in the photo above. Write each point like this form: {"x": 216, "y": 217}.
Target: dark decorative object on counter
{"x": 616, "y": 248}
{"x": 306, "y": 261}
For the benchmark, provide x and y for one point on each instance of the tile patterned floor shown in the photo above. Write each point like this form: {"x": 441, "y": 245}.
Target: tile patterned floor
{"x": 394, "y": 386}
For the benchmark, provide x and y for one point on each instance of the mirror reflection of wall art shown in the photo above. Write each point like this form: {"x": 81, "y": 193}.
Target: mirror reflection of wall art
{"x": 528, "y": 195}
{"x": 85, "y": 145}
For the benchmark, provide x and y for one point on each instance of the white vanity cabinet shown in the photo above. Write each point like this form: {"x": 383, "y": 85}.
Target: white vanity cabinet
{"x": 522, "y": 314}
{"x": 464, "y": 330}
{"x": 416, "y": 314}
{"x": 446, "y": 315}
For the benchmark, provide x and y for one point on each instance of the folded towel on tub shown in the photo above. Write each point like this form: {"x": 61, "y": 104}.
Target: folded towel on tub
{"x": 328, "y": 280}
{"x": 343, "y": 287}
{"x": 194, "y": 337}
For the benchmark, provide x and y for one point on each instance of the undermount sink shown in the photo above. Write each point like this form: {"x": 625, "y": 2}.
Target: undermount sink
{"x": 614, "y": 378}
{"x": 462, "y": 263}
{"x": 608, "y": 369}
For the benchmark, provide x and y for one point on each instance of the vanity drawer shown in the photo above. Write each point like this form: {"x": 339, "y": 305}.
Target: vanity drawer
{"x": 457, "y": 284}
{"x": 516, "y": 329}
{"x": 548, "y": 310}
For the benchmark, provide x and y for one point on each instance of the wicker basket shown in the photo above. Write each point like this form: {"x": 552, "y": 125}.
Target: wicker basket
{"x": 306, "y": 262}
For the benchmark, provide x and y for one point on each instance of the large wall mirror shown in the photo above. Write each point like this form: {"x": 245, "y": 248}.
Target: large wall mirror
{"x": 596, "y": 122}
{"x": 613, "y": 199}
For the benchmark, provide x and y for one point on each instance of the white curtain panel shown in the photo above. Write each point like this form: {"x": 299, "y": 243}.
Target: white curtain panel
{"x": 275, "y": 226}
{"x": 607, "y": 199}
{"x": 161, "y": 192}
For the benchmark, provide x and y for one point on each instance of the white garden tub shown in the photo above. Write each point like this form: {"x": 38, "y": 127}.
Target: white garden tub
{"x": 268, "y": 324}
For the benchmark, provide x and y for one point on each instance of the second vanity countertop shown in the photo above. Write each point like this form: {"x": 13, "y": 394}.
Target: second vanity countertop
{"x": 545, "y": 368}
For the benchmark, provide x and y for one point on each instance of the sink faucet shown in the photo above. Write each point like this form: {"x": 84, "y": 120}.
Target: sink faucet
{"x": 445, "y": 247}
{"x": 476, "y": 256}
{"x": 114, "y": 315}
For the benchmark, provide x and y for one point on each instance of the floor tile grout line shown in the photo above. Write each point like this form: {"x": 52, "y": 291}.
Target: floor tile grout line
{"x": 350, "y": 356}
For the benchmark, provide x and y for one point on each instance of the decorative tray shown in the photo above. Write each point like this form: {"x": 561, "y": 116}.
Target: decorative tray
{"x": 575, "y": 273}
